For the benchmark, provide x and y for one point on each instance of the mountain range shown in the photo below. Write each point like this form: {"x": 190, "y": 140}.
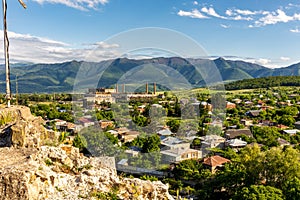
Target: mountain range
{"x": 62, "y": 77}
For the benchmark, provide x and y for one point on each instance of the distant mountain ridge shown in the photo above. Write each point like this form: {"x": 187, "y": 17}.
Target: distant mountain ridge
{"x": 60, "y": 77}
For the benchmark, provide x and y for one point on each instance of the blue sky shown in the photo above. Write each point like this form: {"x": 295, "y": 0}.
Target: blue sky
{"x": 261, "y": 31}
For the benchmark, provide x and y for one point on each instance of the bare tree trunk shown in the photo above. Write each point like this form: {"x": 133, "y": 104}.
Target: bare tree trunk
{"x": 6, "y": 54}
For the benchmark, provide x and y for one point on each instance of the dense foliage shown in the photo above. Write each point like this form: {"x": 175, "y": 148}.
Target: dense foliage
{"x": 265, "y": 82}
{"x": 53, "y": 111}
{"x": 251, "y": 174}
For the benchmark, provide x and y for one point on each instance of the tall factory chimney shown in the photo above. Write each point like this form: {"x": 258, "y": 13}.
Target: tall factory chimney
{"x": 154, "y": 88}
{"x": 147, "y": 90}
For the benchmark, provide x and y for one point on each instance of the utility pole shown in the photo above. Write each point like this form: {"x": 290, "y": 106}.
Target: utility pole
{"x": 17, "y": 92}
{"x": 6, "y": 51}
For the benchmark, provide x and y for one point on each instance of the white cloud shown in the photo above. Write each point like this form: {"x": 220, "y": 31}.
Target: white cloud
{"x": 28, "y": 48}
{"x": 225, "y": 26}
{"x": 77, "y": 4}
{"x": 296, "y": 16}
{"x": 104, "y": 45}
{"x": 229, "y": 12}
{"x": 274, "y": 18}
{"x": 246, "y": 12}
{"x": 259, "y": 17}
{"x": 290, "y": 6}
{"x": 239, "y": 17}
{"x": 283, "y": 58}
{"x": 235, "y": 12}
{"x": 262, "y": 61}
{"x": 210, "y": 11}
{"x": 296, "y": 30}
{"x": 195, "y": 3}
{"x": 193, "y": 14}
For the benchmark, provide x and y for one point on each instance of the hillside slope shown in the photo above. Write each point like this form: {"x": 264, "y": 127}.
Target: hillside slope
{"x": 60, "y": 77}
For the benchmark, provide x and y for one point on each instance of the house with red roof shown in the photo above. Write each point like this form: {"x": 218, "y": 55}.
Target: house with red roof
{"x": 215, "y": 162}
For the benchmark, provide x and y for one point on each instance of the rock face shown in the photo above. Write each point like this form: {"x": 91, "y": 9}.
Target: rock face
{"x": 31, "y": 171}
{"x": 19, "y": 128}
{"x": 54, "y": 173}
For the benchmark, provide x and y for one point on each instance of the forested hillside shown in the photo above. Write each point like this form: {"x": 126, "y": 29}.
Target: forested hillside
{"x": 264, "y": 82}
{"x": 60, "y": 77}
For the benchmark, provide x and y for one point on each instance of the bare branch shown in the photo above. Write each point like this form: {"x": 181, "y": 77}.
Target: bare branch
{"x": 22, "y": 3}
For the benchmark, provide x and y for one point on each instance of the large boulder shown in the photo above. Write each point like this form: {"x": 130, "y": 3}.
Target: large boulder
{"x": 53, "y": 173}
{"x": 19, "y": 128}
{"x": 30, "y": 170}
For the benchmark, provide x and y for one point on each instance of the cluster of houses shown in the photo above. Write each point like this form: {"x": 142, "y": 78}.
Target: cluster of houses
{"x": 174, "y": 149}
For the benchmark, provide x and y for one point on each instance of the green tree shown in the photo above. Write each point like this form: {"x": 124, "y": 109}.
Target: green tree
{"x": 98, "y": 144}
{"x": 266, "y": 135}
{"x": 281, "y": 165}
{"x": 188, "y": 169}
{"x": 287, "y": 120}
{"x": 174, "y": 125}
{"x": 259, "y": 192}
{"x": 151, "y": 144}
{"x": 292, "y": 189}
{"x": 79, "y": 142}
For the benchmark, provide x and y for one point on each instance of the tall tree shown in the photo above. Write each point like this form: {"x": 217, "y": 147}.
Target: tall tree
{"x": 259, "y": 192}
{"x": 6, "y": 50}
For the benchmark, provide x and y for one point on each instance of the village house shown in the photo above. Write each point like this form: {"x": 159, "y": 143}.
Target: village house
{"x": 179, "y": 154}
{"x": 236, "y": 144}
{"x": 68, "y": 127}
{"x": 173, "y": 143}
{"x": 282, "y": 142}
{"x": 282, "y": 127}
{"x": 59, "y": 124}
{"x": 267, "y": 123}
{"x": 266, "y": 107}
{"x": 248, "y": 103}
{"x": 106, "y": 123}
{"x": 291, "y": 132}
{"x": 164, "y": 132}
{"x": 212, "y": 141}
{"x": 237, "y": 101}
{"x": 253, "y": 113}
{"x": 234, "y": 133}
{"x": 215, "y": 162}
{"x": 247, "y": 122}
{"x": 122, "y": 130}
{"x": 85, "y": 122}
{"x": 128, "y": 136}
{"x": 297, "y": 125}
{"x": 293, "y": 96}
{"x": 230, "y": 105}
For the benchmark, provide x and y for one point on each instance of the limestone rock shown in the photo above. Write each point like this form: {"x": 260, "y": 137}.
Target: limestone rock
{"x": 21, "y": 129}
{"x": 31, "y": 171}
{"x": 53, "y": 173}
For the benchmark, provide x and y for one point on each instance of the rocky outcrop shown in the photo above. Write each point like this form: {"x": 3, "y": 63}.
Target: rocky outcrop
{"x": 54, "y": 173}
{"x": 19, "y": 128}
{"x": 30, "y": 170}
